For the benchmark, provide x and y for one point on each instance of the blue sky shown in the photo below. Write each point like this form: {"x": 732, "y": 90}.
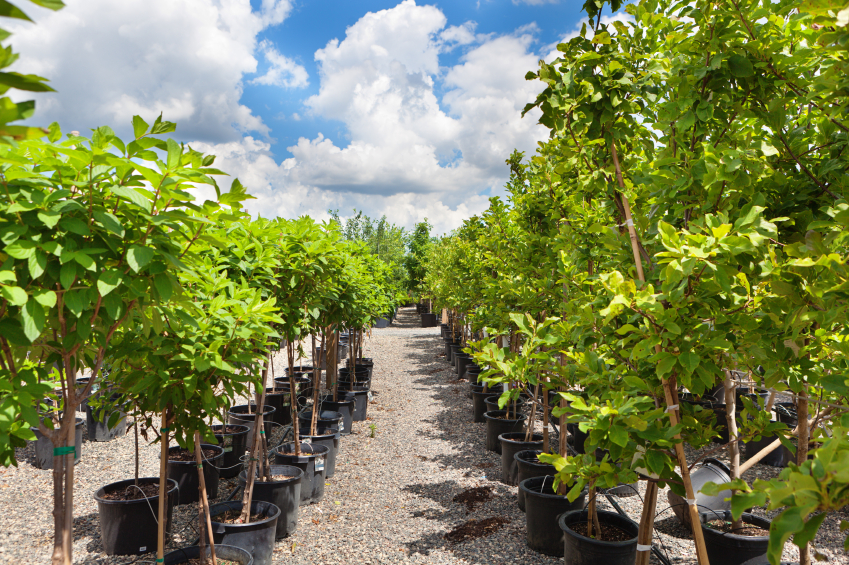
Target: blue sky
{"x": 312, "y": 23}
{"x": 401, "y": 107}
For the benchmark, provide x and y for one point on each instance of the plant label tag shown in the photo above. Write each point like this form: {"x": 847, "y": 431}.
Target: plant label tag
{"x": 341, "y": 425}
{"x": 143, "y": 549}
{"x": 319, "y": 464}
{"x": 370, "y": 396}
{"x": 228, "y": 449}
{"x": 306, "y": 440}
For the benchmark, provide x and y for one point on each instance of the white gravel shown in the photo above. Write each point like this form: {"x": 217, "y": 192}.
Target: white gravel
{"x": 390, "y": 500}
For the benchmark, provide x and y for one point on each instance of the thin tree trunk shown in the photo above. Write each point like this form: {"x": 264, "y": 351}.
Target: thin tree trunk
{"x": 205, "y": 520}
{"x": 317, "y": 389}
{"x": 647, "y": 517}
{"x": 733, "y": 445}
{"x": 802, "y": 454}
{"x": 330, "y": 363}
{"x": 529, "y": 434}
{"x": 296, "y": 432}
{"x": 591, "y": 514}
{"x": 70, "y": 422}
{"x": 259, "y": 430}
{"x": 163, "y": 486}
{"x": 545, "y": 411}
{"x": 136, "y": 433}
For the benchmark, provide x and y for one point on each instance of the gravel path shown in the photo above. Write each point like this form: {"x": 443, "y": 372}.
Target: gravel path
{"x": 391, "y": 498}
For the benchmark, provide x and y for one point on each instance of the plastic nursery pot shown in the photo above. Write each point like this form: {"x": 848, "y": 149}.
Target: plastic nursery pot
{"x": 239, "y": 415}
{"x": 312, "y": 461}
{"x": 450, "y": 349}
{"x": 331, "y": 441}
{"x": 285, "y": 494}
{"x": 491, "y": 403}
{"x": 327, "y": 422}
{"x": 381, "y": 323}
{"x": 129, "y": 527}
{"x": 360, "y": 374}
{"x": 281, "y": 401}
{"x": 302, "y": 384}
{"x": 710, "y": 470}
{"x": 779, "y": 457}
{"x": 512, "y": 443}
{"x": 360, "y": 396}
{"x": 361, "y": 362}
{"x": 97, "y": 422}
{"x": 463, "y": 360}
{"x": 581, "y": 550}
{"x": 730, "y": 548}
{"x": 255, "y": 537}
{"x": 344, "y": 407}
{"x": 527, "y": 467}
{"x": 497, "y": 423}
{"x": 228, "y": 552}
{"x": 186, "y": 473}
{"x": 44, "y": 447}
{"x": 429, "y": 320}
{"x": 303, "y": 371}
{"x": 455, "y": 349}
{"x": 577, "y": 437}
{"x": 479, "y": 397}
{"x": 542, "y": 507}
{"x": 234, "y": 442}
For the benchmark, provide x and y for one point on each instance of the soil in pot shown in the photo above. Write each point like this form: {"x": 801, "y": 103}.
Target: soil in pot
{"x": 128, "y": 515}
{"x": 239, "y": 415}
{"x": 234, "y": 441}
{"x": 256, "y": 537}
{"x": 727, "y": 547}
{"x": 284, "y": 492}
{"x": 183, "y": 469}
{"x": 616, "y": 544}
{"x": 512, "y": 443}
{"x": 497, "y": 423}
{"x": 312, "y": 461}
{"x": 542, "y": 507}
{"x": 224, "y": 554}
{"x": 528, "y": 466}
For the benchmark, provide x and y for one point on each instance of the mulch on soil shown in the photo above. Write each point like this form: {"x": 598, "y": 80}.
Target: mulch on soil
{"x": 473, "y": 496}
{"x": 132, "y": 492}
{"x": 608, "y": 532}
{"x": 746, "y": 530}
{"x": 185, "y": 455}
{"x": 475, "y": 529}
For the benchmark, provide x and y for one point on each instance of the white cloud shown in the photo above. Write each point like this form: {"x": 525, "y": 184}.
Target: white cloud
{"x": 458, "y": 35}
{"x": 283, "y": 71}
{"x": 109, "y": 60}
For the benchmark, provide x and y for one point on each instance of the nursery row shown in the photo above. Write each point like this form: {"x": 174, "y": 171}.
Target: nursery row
{"x": 669, "y": 269}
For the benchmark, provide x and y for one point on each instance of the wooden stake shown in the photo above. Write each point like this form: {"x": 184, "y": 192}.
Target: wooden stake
{"x": 259, "y": 430}
{"x": 205, "y": 518}
{"x": 293, "y": 396}
{"x": 645, "y": 534}
{"x": 701, "y": 552}
{"x": 802, "y": 454}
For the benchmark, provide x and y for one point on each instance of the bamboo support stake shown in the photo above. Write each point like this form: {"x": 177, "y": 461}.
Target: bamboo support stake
{"x": 701, "y": 552}
{"x": 317, "y": 387}
{"x": 545, "y": 439}
{"x": 293, "y": 397}
{"x": 645, "y": 534}
{"x": 163, "y": 487}
{"x": 259, "y": 430}
{"x": 205, "y": 517}
{"x": 802, "y": 454}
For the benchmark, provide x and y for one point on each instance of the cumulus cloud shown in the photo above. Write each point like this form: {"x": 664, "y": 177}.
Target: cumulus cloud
{"x": 283, "y": 71}
{"x": 109, "y": 60}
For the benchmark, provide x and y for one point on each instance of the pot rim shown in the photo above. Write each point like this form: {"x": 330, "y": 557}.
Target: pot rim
{"x": 192, "y": 462}
{"x": 299, "y": 477}
{"x": 97, "y": 495}
{"x": 326, "y": 450}
{"x": 726, "y": 515}
{"x": 561, "y": 521}
{"x": 486, "y": 415}
{"x": 266, "y": 409}
{"x": 223, "y": 433}
{"x": 502, "y": 438}
{"x": 271, "y": 507}
{"x": 545, "y": 494}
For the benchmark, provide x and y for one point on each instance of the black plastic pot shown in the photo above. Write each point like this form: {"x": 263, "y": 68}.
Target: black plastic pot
{"x": 581, "y": 550}
{"x": 234, "y": 444}
{"x": 281, "y": 401}
{"x": 463, "y": 360}
{"x": 527, "y": 467}
{"x": 257, "y": 538}
{"x": 44, "y": 447}
{"x": 129, "y": 527}
{"x": 312, "y": 461}
{"x": 302, "y": 385}
{"x": 491, "y": 403}
{"x": 285, "y": 495}
{"x": 360, "y": 362}
{"x": 186, "y": 474}
{"x": 239, "y": 415}
{"x": 497, "y": 424}
{"x": 97, "y": 422}
{"x": 542, "y": 508}
{"x": 577, "y": 437}
{"x": 228, "y": 552}
{"x": 360, "y": 397}
{"x": 429, "y": 320}
{"x": 331, "y": 441}
{"x": 733, "y": 549}
{"x": 303, "y": 371}
{"x": 779, "y": 457}
{"x": 328, "y": 421}
{"x": 511, "y": 444}
{"x": 479, "y": 402}
{"x": 381, "y": 323}
{"x": 710, "y": 470}
{"x": 453, "y": 347}
{"x": 344, "y": 407}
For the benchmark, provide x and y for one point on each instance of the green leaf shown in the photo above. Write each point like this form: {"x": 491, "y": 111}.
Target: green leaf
{"x": 163, "y": 286}
{"x": 742, "y": 501}
{"x": 665, "y": 365}
{"x": 809, "y": 531}
{"x": 655, "y": 461}
{"x": 31, "y": 83}
{"x": 138, "y": 257}
{"x": 110, "y": 222}
{"x": 14, "y": 294}
{"x": 49, "y": 218}
{"x": 75, "y": 302}
{"x": 9, "y": 10}
{"x": 139, "y": 126}
{"x": 37, "y": 263}
{"x": 32, "y": 319}
{"x": 67, "y": 274}
{"x": 108, "y": 281}
{"x": 740, "y": 66}
{"x": 174, "y": 154}
{"x": 21, "y": 249}
{"x": 46, "y": 298}
{"x": 132, "y": 195}
{"x": 619, "y": 435}
{"x": 75, "y": 225}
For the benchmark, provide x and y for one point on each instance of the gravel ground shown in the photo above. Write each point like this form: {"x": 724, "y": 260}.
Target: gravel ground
{"x": 391, "y": 500}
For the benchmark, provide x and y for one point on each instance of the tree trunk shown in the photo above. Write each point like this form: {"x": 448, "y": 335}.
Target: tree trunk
{"x": 259, "y": 430}
{"x": 163, "y": 487}
{"x": 205, "y": 521}
{"x": 802, "y": 454}
{"x": 293, "y": 395}
{"x": 646, "y": 523}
